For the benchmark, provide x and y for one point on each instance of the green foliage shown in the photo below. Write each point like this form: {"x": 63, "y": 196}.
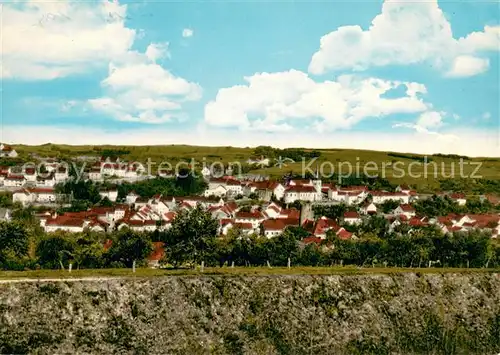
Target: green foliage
{"x": 6, "y": 199}
{"x": 191, "y": 237}
{"x": 14, "y": 242}
{"x": 296, "y": 154}
{"x": 388, "y": 206}
{"x": 129, "y": 246}
{"x": 419, "y": 158}
{"x": 55, "y": 250}
{"x": 80, "y": 190}
{"x": 178, "y": 186}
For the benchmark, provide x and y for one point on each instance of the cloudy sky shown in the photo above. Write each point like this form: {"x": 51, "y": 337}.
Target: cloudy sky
{"x": 411, "y": 76}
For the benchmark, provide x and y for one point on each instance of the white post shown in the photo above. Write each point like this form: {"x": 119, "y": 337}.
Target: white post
{"x": 133, "y": 267}
{"x": 70, "y": 267}
{"x": 289, "y": 263}
{"x": 268, "y": 265}
{"x": 202, "y": 265}
{"x": 232, "y": 264}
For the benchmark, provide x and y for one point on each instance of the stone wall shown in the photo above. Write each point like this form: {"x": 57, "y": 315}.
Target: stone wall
{"x": 347, "y": 314}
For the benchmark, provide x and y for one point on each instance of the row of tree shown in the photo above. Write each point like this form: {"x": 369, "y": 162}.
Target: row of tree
{"x": 192, "y": 239}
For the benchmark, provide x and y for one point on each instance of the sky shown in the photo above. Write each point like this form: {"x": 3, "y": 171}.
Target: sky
{"x": 408, "y": 76}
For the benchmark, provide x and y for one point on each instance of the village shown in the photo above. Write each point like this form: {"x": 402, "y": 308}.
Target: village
{"x": 258, "y": 206}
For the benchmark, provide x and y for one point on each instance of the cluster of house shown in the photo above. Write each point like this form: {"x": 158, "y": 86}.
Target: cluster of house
{"x": 267, "y": 218}
{"x": 20, "y": 176}
{"x": 108, "y": 167}
{"x": 312, "y": 190}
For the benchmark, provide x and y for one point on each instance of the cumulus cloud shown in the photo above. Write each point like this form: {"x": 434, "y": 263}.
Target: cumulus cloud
{"x": 279, "y": 99}
{"x": 47, "y": 40}
{"x": 138, "y": 89}
{"x": 466, "y": 65}
{"x": 406, "y": 32}
{"x": 428, "y": 123}
{"x": 187, "y": 32}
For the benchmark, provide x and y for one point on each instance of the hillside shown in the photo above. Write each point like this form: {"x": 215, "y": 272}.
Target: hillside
{"x": 410, "y": 170}
{"x": 337, "y": 314}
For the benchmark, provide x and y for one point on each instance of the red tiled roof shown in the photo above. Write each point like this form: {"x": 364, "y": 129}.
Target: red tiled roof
{"x": 300, "y": 188}
{"x": 457, "y": 196}
{"x": 407, "y": 207}
{"x": 248, "y": 215}
{"x": 15, "y": 177}
{"x": 343, "y": 234}
{"x": 351, "y": 214}
{"x": 311, "y": 240}
{"x": 158, "y": 251}
{"x": 64, "y": 221}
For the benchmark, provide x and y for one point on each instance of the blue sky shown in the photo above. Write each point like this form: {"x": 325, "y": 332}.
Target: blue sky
{"x": 416, "y": 76}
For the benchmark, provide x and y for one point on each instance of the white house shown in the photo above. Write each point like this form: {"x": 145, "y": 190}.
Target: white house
{"x": 383, "y": 196}
{"x": 44, "y": 195}
{"x": 48, "y": 181}
{"x": 74, "y": 225}
{"x": 14, "y": 181}
{"x": 112, "y": 195}
{"x": 352, "y": 218}
{"x": 23, "y": 196}
{"x": 302, "y": 193}
{"x": 95, "y": 174}
{"x": 218, "y": 191}
{"x": 139, "y": 226}
{"x": 368, "y": 208}
{"x": 61, "y": 174}
{"x": 7, "y": 151}
{"x": 131, "y": 197}
{"x": 254, "y": 218}
{"x": 459, "y": 198}
{"x": 405, "y": 210}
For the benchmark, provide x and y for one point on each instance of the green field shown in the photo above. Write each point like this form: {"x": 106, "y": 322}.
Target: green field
{"x": 446, "y": 166}
{"x": 227, "y": 271}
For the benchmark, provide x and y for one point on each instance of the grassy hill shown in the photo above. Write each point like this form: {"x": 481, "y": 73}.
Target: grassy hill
{"x": 445, "y": 166}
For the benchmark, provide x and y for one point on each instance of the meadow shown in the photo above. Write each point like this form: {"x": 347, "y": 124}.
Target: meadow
{"x": 396, "y": 167}
{"x": 229, "y": 271}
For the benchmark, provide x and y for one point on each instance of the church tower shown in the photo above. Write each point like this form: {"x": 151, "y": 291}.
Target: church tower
{"x": 318, "y": 185}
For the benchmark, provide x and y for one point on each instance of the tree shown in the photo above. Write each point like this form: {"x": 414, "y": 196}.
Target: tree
{"x": 129, "y": 246}
{"x": 55, "y": 250}
{"x": 14, "y": 242}
{"x": 191, "y": 236}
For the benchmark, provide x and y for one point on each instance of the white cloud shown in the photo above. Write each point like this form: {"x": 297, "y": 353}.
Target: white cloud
{"x": 138, "y": 89}
{"x": 156, "y": 51}
{"x": 405, "y": 32}
{"x": 430, "y": 119}
{"x": 466, "y": 65}
{"x": 468, "y": 142}
{"x": 271, "y": 99}
{"x": 428, "y": 123}
{"x": 187, "y": 32}
{"x": 47, "y": 40}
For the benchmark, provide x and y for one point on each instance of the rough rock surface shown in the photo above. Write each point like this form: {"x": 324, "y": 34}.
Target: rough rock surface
{"x": 344, "y": 314}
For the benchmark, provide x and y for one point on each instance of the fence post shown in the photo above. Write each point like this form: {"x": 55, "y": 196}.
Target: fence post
{"x": 70, "y": 267}
{"x": 289, "y": 263}
{"x": 133, "y": 267}
{"x": 232, "y": 264}
{"x": 268, "y": 265}
{"x": 202, "y": 265}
